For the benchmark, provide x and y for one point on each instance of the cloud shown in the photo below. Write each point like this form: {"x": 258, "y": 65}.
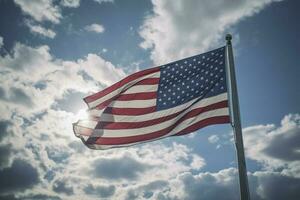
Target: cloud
{"x": 43, "y": 10}
{"x": 61, "y": 186}
{"x": 276, "y": 147}
{"x": 119, "y": 168}
{"x": 38, "y": 29}
{"x": 102, "y": 191}
{"x": 100, "y": 69}
{"x": 5, "y": 129}
{"x": 17, "y": 96}
{"x": 275, "y": 186}
{"x": 97, "y": 28}
{"x": 213, "y": 139}
{"x": 20, "y": 176}
{"x": 70, "y": 3}
{"x": 43, "y": 79}
{"x": 188, "y": 27}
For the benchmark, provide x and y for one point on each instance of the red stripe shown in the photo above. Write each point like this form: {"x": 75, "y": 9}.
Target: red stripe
{"x": 196, "y": 126}
{"x": 132, "y": 125}
{"x": 137, "y": 96}
{"x": 119, "y": 84}
{"x": 129, "y": 111}
{"x": 157, "y": 134}
{"x": 148, "y": 81}
{"x": 127, "y": 97}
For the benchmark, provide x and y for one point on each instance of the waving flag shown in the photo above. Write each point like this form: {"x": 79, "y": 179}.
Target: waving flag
{"x": 170, "y": 100}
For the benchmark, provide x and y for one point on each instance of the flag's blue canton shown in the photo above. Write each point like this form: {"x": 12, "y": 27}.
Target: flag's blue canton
{"x": 199, "y": 76}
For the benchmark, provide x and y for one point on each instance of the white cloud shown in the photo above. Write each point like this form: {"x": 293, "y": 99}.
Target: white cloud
{"x": 277, "y": 148}
{"x": 70, "y": 3}
{"x": 188, "y": 27}
{"x": 43, "y": 79}
{"x": 97, "y": 28}
{"x": 100, "y": 69}
{"x": 213, "y": 139}
{"x": 38, "y": 29}
{"x": 41, "y": 10}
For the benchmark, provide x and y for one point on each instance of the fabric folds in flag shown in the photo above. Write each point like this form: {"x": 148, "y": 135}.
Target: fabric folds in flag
{"x": 170, "y": 100}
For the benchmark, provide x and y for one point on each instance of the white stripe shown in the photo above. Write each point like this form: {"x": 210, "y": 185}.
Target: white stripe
{"x": 125, "y": 118}
{"x": 141, "y": 88}
{"x": 133, "y": 103}
{"x": 93, "y": 104}
{"x": 87, "y": 123}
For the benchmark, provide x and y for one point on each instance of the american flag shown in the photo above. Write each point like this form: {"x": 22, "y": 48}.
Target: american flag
{"x": 170, "y": 100}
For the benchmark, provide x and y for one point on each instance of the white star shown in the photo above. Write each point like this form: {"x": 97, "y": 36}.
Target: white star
{"x": 159, "y": 99}
{"x": 174, "y": 93}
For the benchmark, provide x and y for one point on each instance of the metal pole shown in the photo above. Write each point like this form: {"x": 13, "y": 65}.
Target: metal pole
{"x": 235, "y": 121}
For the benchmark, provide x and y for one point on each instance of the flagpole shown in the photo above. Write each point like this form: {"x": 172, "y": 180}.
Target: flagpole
{"x": 236, "y": 121}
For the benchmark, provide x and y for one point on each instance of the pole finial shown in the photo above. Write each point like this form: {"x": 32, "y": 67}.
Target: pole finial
{"x": 228, "y": 38}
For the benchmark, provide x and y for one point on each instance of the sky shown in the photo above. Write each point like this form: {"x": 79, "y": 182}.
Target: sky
{"x": 55, "y": 52}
